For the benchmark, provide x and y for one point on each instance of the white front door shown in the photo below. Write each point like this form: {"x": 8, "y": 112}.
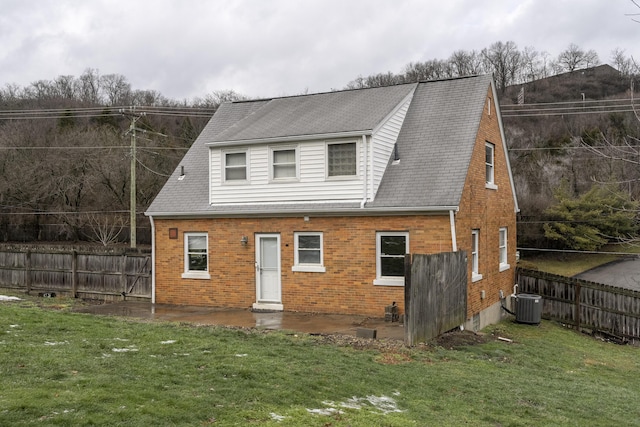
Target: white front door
{"x": 268, "y": 286}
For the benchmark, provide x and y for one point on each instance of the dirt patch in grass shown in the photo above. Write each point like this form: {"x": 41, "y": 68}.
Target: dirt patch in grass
{"x": 456, "y": 339}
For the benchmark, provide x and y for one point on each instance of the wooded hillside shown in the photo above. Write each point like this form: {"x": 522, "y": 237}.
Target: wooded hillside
{"x": 65, "y": 156}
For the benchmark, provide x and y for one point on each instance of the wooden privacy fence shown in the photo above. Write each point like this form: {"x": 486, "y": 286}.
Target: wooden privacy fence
{"x": 79, "y": 274}
{"x": 585, "y": 305}
{"x": 435, "y": 294}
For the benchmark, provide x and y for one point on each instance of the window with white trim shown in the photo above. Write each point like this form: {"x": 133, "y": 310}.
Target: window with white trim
{"x": 391, "y": 247}
{"x": 504, "y": 264}
{"x": 284, "y": 163}
{"x": 475, "y": 258}
{"x": 342, "y": 159}
{"x": 196, "y": 256}
{"x": 489, "y": 150}
{"x": 308, "y": 255}
{"x": 235, "y": 166}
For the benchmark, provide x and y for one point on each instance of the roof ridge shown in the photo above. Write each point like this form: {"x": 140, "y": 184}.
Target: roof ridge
{"x": 329, "y": 92}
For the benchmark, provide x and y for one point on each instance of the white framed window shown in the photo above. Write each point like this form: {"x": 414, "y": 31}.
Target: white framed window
{"x": 284, "y": 163}
{"x": 504, "y": 265}
{"x": 391, "y": 247}
{"x": 342, "y": 159}
{"x": 489, "y": 150}
{"x": 308, "y": 255}
{"x": 475, "y": 255}
{"x": 235, "y": 166}
{"x": 196, "y": 256}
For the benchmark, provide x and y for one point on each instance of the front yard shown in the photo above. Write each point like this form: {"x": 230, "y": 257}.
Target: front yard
{"x": 63, "y": 368}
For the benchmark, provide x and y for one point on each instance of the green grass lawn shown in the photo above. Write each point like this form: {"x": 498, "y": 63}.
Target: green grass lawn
{"x": 64, "y": 368}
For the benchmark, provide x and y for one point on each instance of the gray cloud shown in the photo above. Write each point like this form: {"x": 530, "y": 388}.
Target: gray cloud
{"x": 186, "y": 49}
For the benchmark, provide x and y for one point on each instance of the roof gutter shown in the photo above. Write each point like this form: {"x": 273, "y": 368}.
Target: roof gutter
{"x": 291, "y": 138}
{"x": 365, "y": 172}
{"x": 352, "y": 211}
{"x": 153, "y": 260}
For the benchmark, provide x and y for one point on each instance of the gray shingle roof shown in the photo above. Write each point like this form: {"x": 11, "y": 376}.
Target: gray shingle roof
{"x": 332, "y": 112}
{"x": 435, "y": 143}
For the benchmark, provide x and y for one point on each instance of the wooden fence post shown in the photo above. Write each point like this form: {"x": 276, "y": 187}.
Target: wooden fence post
{"x": 578, "y": 288}
{"x": 123, "y": 271}
{"x": 27, "y": 271}
{"x": 408, "y": 339}
{"x": 74, "y": 273}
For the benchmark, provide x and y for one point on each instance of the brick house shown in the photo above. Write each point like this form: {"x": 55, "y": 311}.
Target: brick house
{"x": 309, "y": 203}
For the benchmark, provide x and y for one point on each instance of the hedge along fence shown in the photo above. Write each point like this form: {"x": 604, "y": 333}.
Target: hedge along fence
{"x": 585, "y": 305}
{"x": 84, "y": 273}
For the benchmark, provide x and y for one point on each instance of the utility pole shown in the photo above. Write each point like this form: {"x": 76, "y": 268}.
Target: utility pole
{"x": 132, "y": 186}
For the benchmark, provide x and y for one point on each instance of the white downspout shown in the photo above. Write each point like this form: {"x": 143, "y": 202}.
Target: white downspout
{"x": 365, "y": 179}
{"x": 452, "y": 221}
{"x": 153, "y": 260}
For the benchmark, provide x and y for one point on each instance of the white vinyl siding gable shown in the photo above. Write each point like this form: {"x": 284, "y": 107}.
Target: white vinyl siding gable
{"x": 383, "y": 142}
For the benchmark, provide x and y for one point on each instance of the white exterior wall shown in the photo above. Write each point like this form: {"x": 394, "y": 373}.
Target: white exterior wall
{"x": 383, "y": 142}
{"x": 312, "y": 185}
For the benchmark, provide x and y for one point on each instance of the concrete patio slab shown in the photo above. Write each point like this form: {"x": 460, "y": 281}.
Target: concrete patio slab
{"x": 312, "y": 323}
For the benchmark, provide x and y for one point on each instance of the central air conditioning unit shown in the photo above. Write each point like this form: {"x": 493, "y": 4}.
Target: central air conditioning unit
{"x": 528, "y": 308}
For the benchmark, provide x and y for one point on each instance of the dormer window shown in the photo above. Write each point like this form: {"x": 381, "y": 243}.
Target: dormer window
{"x": 235, "y": 166}
{"x": 284, "y": 163}
{"x": 342, "y": 159}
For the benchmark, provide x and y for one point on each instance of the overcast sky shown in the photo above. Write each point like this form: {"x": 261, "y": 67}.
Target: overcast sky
{"x": 263, "y": 48}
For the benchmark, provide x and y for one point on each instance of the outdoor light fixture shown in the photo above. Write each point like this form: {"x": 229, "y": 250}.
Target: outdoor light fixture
{"x": 244, "y": 240}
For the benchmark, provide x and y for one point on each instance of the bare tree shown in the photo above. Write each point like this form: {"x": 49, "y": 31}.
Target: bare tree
{"x": 574, "y": 57}
{"x": 504, "y": 61}
{"x": 89, "y": 86}
{"x": 105, "y": 229}
{"x": 116, "y": 89}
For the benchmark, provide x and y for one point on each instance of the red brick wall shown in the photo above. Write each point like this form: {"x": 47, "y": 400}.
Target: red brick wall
{"x": 488, "y": 210}
{"x": 349, "y": 256}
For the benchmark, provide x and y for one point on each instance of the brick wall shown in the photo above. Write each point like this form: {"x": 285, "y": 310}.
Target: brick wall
{"x": 349, "y": 256}
{"x": 488, "y": 210}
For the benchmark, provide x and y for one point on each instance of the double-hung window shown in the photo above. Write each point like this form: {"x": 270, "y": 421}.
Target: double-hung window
{"x": 308, "y": 252}
{"x": 284, "y": 163}
{"x": 475, "y": 258}
{"x": 489, "y": 161}
{"x": 504, "y": 264}
{"x": 235, "y": 166}
{"x": 391, "y": 247}
{"x": 196, "y": 256}
{"x": 342, "y": 159}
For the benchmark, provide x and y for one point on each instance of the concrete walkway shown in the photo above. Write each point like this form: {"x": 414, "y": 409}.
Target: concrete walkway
{"x": 312, "y": 323}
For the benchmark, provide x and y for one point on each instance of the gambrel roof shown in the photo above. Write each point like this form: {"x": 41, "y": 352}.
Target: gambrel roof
{"x": 435, "y": 145}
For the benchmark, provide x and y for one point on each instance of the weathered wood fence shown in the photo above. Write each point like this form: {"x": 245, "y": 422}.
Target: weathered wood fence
{"x": 78, "y": 273}
{"x": 584, "y": 305}
{"x": 435, "y": 294}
